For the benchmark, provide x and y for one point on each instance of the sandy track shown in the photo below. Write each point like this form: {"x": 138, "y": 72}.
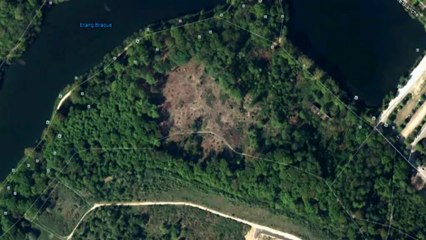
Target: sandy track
{"x": 63, "y": 99}
{"x": 251, "y": 234}
{"x": 415, "y": 81}
{"x": 187, "y": 204}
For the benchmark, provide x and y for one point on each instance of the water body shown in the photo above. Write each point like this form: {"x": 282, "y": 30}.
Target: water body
{"x": 366, "y": 45}
{"x": 63, "y": 50}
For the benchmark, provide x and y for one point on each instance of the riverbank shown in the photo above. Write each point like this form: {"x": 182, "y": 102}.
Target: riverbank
{"x": 59, "y": 53}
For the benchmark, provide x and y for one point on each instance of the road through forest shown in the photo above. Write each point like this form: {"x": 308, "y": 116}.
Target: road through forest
{"x": 187, "y": 204}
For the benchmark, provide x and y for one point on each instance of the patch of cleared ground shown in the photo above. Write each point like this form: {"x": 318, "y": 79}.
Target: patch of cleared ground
{"x": 255, "y": 234}
{"x": 194, "y": 101}
{"x": 264, "y": 235}
{"x": 406, "y": 111}
{"x": 419, "y": 180}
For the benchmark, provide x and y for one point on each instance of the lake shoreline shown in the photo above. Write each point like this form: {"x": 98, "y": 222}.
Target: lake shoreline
{"x": 56, "y": 56}
{"x": 363, "y": 51}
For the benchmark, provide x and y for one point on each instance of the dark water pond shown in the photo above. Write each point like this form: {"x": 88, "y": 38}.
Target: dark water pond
{"x": 62, "y": 50}
{"x": 366, "y": 45}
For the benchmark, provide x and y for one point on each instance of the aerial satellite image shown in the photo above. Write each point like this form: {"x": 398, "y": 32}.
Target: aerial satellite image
{"x": 213, "y": 119}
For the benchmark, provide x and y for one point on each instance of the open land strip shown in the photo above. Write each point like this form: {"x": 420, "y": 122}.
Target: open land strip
{"x": 189, "y": 204}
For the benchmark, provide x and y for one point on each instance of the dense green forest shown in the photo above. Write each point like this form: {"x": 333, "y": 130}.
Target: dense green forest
{"x": 159, "y": 223}
{"x": 309, "y": 156}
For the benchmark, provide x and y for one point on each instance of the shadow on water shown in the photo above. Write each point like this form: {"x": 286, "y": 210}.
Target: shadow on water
{"x": 63, "y": 50}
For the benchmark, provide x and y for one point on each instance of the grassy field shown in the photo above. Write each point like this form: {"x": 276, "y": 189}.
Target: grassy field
{"x": 66, "y": 206}
{"x": 62, "y": 211}
{"x": 239, "y": 209}
{"x": 166, "y": 187}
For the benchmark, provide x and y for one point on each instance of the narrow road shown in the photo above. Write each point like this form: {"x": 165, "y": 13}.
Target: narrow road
{"x": 187, "y": 204}
{"x": 65, "y": 97}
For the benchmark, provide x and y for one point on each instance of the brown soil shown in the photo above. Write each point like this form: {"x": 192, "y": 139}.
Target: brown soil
{"x": 419, "y": 180}
{"x": 406, "y": 111}
{"x": 193, "y": 97}
{"x": 251, "y": 234}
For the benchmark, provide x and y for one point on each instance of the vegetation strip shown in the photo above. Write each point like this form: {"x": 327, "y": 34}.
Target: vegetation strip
{"x": 255, "y": 225}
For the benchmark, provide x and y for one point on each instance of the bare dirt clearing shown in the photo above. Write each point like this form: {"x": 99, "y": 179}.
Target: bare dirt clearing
{"x": 251, "y": 234}
{"x": 419, "y": 180}
{"x": 195, "y": 101}
{"x": 406, "y": 111}
{"x": 255, "y": 234}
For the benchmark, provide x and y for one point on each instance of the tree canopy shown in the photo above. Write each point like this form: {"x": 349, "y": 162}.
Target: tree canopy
{"x": 312, "y": 157}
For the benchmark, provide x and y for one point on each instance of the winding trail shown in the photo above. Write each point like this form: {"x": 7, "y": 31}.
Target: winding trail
{"x": 187, "y": 204}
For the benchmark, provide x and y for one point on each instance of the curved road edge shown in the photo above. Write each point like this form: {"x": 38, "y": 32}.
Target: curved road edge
{"x": 188, "y": 204}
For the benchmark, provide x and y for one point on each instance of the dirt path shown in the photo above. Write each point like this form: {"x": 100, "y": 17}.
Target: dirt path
{"x": 414, "y": 121}
{"x": 187, "y": 204}
{"x": 416, "y": 80}
{"x": 65, "y": 97}
{"x": 251, "y": 234}
{"x": 406, "y": 111}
